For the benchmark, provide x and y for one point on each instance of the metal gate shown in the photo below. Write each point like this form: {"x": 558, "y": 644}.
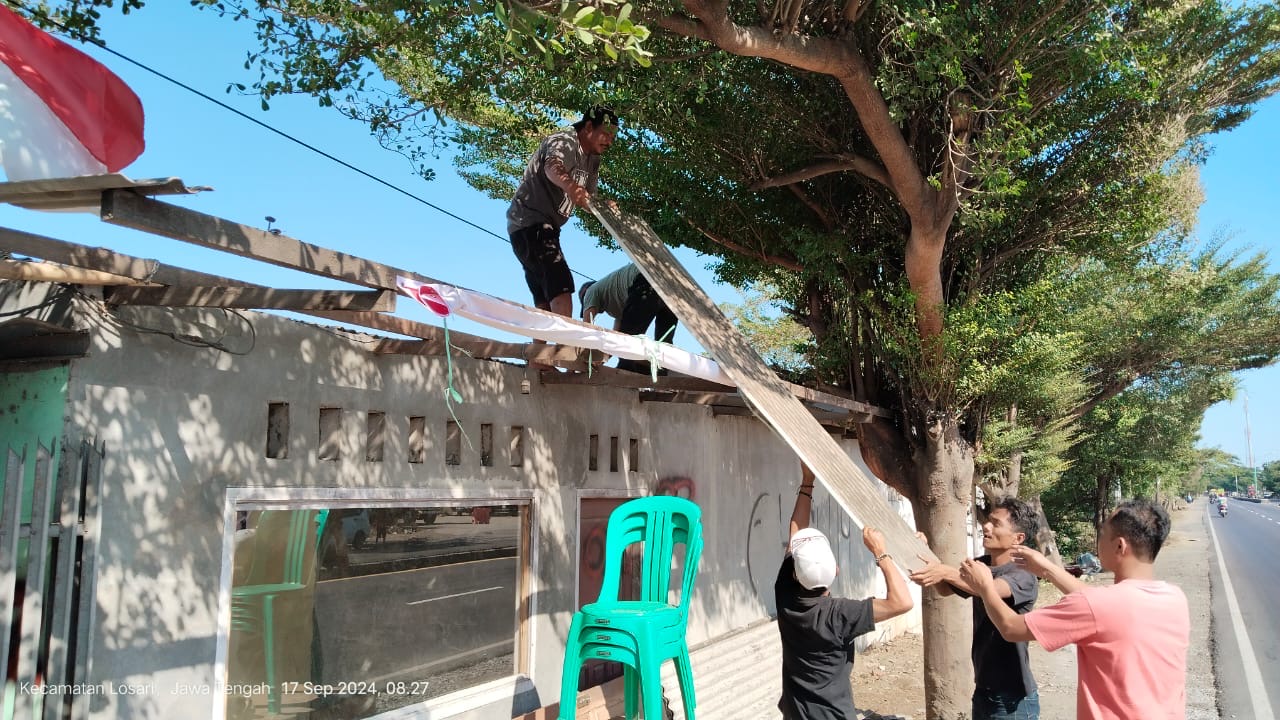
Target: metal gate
{"x": 47, "y": 577}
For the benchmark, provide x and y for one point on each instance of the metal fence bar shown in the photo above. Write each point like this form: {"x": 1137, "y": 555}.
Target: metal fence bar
{"x": 10, "y": 527}
{"x": 90, "y": 494}
{"x": 70, "y": 471}
{"x": 37, "y": 573}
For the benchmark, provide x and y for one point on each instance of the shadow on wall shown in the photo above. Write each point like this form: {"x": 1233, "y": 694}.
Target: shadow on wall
{"x": 182, "y": 421}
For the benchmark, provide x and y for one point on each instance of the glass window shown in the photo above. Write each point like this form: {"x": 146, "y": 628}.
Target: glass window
{"x": 349, "y": 612}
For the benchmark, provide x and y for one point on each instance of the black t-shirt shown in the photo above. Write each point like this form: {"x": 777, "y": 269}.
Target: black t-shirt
{"x": 999, "y": 665}
{"x": 817, "y": 648}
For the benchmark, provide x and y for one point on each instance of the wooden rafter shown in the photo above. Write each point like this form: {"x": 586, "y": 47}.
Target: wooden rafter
{"x": 41, "y": 271}
{"x": 108, "y": 261}
{"x": 132, "y": 211}
{"x": 84, "y": 192}
{"x": 484, "y": 349}
{"x": 257, "y": 298}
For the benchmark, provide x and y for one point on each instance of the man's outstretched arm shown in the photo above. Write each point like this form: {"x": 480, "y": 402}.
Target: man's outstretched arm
{"x": 897, "y": 598}
{"x": 1042, "y": 567}
{"x": 804, "y": 503}
{"x": 946, "y": 580}
{"x": 1012, "y": 626}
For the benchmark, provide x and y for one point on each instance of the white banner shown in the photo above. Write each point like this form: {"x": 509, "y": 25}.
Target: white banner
{"x": 548, "y": 326}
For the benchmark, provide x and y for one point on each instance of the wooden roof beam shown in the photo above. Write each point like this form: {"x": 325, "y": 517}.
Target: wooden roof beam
{"x": 130, "y": 210}
{"x": 108, "y": 261}
{"x": 42, "y": 271}
{"x": 257, "y": 298}
{"x": 621, "y": 378}
{"x": 486, "y": 349}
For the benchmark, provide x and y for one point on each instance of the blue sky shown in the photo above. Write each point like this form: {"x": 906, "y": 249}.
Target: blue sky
{"x": 255, "y": 173}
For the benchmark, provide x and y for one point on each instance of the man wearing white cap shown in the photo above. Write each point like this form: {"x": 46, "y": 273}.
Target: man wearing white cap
{"x": 818, "y": 630}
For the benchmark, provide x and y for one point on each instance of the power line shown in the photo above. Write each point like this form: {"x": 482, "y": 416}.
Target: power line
{"x": 392, "y": 186}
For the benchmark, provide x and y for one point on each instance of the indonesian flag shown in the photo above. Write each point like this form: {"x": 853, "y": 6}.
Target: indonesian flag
{"x": 62, "y": 113}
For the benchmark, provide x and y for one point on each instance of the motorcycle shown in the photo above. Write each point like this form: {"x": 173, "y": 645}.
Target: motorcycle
{"x": 1222, "y": 510}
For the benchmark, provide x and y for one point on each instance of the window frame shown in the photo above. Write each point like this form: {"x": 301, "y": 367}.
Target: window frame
{"x": 239, "y": 498}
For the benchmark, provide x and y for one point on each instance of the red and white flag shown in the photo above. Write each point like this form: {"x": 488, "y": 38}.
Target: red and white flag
{"x": 62, "y": 113}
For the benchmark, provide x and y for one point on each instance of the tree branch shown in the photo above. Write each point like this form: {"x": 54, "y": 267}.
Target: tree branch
{"x": 1107, "y": 392}
{"x": 735, "y": 247}
{"x": 823, "y": 215}
{"x": 863, "y": 166}
{"x": 853, "y": 10}
{"x": 816, "y": 54}
{"x": 838, "y": 58}
{"x": 683, "y": 26}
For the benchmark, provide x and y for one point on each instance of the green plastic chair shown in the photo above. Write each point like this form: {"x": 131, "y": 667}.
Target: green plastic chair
{"x": 641, "y": 634}
{"x": 253, "y": 604}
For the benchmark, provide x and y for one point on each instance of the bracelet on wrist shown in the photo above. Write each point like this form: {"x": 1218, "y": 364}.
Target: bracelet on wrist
{"x": 883, "y": 556}
{"x": 804, "y": 493}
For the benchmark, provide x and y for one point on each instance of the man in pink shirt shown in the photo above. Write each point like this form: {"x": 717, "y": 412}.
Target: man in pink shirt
{"x": 1131, "y": 637}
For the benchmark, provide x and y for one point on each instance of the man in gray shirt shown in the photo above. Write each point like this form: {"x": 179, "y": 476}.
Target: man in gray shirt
{"x": 626, "y": 295}
{"x": 562, "y": 173}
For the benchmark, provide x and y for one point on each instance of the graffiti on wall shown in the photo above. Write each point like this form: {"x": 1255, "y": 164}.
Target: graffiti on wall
{"x": 676, "y": 486}
{"x": 766, "y": 543}
{"x": 767, "y": 531}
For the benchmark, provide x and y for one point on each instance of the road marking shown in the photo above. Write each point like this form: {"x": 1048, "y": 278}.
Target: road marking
{"x": 419, "y": 670}
{"x": 1252, "y": 674}
{"x": 414, "y": 570}
{"x": 446, "y": 597}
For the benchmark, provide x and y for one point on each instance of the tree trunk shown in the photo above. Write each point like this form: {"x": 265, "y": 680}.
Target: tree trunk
{"x": 1101, "y": 503}
{"x": 1013, "y": 475}
{"x": 945, "y": 481}
{"x": 1046, "y": 540}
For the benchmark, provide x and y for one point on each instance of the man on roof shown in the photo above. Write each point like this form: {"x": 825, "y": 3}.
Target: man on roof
{"x": 561, "y": 174}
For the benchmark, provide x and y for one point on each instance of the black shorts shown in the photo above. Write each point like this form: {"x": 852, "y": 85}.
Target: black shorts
{"x": 537, "y": 247}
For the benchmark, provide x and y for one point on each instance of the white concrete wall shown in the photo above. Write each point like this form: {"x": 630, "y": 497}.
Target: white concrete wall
{"x": 183, "y": 424}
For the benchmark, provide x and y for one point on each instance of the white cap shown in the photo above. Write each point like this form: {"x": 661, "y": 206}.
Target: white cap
{"x": 815, "y": 564}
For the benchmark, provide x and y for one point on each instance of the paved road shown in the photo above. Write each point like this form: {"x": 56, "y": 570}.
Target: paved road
{"x": 1249, "y": 540}
{"x": 432, "y": 616}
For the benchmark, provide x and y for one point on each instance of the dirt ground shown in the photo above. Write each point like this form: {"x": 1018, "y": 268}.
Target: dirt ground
{"x": 888, "y": 680}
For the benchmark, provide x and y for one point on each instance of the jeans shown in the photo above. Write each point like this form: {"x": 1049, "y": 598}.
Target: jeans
{"x": 988, "y": 705}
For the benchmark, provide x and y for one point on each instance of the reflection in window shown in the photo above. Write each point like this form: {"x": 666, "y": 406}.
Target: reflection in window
{"x": 346, "y": 613}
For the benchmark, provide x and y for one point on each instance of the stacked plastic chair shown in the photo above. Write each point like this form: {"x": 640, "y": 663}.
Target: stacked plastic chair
{"x": 253, "y": 606}
{"x": 641, "y": 634}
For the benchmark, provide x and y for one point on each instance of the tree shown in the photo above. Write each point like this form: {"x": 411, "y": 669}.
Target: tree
{"x": 903, "y": 171}
{"x": 1142, "y": 436}
{"x": 782, "y": 342}
{"x": 1269, "y": 476}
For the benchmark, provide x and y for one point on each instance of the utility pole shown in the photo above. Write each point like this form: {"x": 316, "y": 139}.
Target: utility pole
{"x": 1248, "y": 439}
